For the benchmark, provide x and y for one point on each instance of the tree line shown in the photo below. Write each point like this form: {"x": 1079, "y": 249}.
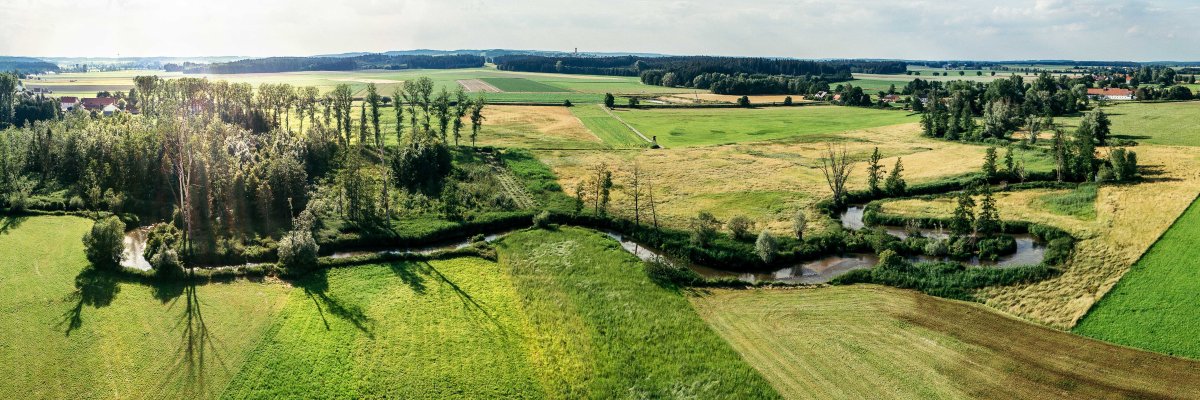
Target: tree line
{"x": 369, "y": 61}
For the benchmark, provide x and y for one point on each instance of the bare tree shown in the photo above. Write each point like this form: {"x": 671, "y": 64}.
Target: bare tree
{"x": 836, "y": 166}
{"x": 634, "y": 191}
{"x": 650, "y": 199}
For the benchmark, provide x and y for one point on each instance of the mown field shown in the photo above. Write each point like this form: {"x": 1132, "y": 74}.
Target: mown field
{"x": 868, "y": 341}
{"x": 1169, "y": 124}
{"x": 70, "y": 333}
{"x": 607, "y": 128}
{"x": 1154, "y": 305}
{"x": 700, "y": 127}
{"x": 564, "y": 314}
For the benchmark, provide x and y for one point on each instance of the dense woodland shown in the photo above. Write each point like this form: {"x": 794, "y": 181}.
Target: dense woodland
{"x": 722, "y": 75}
{"x": 368, "y": 61}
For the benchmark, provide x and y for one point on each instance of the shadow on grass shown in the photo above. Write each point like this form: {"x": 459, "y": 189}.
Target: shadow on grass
{"x": 198, "y": 348}
{"x": 468, "y": 302}
{"x": 94, "y": 288}
{"x": 316, "y": 287}
{"x": 1155, "y": 173}
{"x": 11, "y": 222}
{"x": 409, "y": 275}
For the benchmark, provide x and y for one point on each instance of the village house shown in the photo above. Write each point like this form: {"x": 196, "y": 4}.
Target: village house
{"x": 891, "y": 98}
{"x": 1110, "y": 94}
{"x": 98, "y": 104}
{"x": 68, "y": 103}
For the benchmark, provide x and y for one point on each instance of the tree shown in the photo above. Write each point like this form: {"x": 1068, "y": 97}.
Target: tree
{"x": 963, "y": 220}
{"x": 343, "y": 101}
{"x": 105, "y": 243}
{"x": 895, "y": 184}
{"x": 836, "y": 166}
{"x": 462, "y": 105}
{"x": 373, "y": 99}
{"x": 704, "y": 228}
{"x": 609, "y": 100}
{"x": 1100, "y": 125}
{"x": 441, "y": 107}
{"x": 987, "y": 223}
{"x": 634, "y": 191}
{"x": 601, "y": 185}
{"x": 8, "y": 99}
{"x": 580, "y": 196}
{"x": 766, "y": 247}
{"x": 989, "y": 164}
{"x": 398, "y": 94}
{"x": 298, "y": 250}
{"x": 1010, "y": 167}
{"x": 787, "y": 101}
{"x": 362, "y": 124}
{"x": 1061, "y": 156}
{"x": 740, "y": 226}
{"x": 799, "y": 224}
{"x": 743, "y": 101}
{"x": 874, "y": 172}
{"x": 477, "y": 117}
{"x": 633, "y": 102}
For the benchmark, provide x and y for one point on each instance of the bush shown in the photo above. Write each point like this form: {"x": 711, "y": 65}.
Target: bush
{"x": 937, "y": 248}
{"x": 105, "y": 243}
{"x": 740, "y": 227}
{"x": 666, "y": 275}
{"x": 994, "y": 247}
{"x": 1058, "y": 251}
{"x": 166, "y": 263}
{"x": 298, "y": 252}
{"x": 704, "y": 228}
{"x": 160, "y": 236}
{"x": 542, "y": 220}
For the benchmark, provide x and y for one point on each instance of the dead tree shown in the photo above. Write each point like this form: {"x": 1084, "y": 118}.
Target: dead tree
{"x": 836, "y": 167}
{"x": 635, "y": 191}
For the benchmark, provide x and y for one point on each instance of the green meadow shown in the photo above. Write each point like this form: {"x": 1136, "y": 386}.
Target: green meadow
{"x": 702, "y": 127}
{"x": 607, "y": 128}
{"x": 1154, "y": 305}
{"x": 1170, "y": 124}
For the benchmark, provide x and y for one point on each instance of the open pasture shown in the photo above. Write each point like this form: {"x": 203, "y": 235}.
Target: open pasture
{"x": 1170, "y": 124}
{"x": 1153, "y": 306}
{"x": 868, "y": 341}
{"x": 521, "y": 85}
{"x": 702, "y": 127}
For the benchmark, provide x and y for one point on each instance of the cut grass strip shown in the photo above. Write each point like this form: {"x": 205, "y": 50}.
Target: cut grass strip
{"x": 607, "y": 128}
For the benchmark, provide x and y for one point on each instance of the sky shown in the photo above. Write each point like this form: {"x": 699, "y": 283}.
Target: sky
{"x": 1137, "y": 30}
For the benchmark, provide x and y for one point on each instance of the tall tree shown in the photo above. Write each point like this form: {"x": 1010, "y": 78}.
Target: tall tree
{"x": 989, "y": 164}
{"x": 373, "y": 99}
{"x": 477, "y": 117}
{"x": 895, "y": 185}
{"x": 874, "y": 172}
{"x": 441, "y": 107}
{"x": 836, "y": 166}
{"x": 962, "y": 223}
{"x": 462, "y": 105}
{"x": 397, "y": 95}
{"x": 987, "y": 223}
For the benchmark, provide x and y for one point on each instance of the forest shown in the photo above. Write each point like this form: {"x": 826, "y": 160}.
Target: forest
{"x": 294, "y": 64}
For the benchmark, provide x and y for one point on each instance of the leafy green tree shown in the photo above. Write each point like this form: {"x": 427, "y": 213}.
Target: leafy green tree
{"x": 462, "y": 105}
{"x": 477, "y": 117}
{"x": 399, "y": 94}
{"x": 704, "y": 228}
{"x": 609, "y": 100}
{"x": 104, "y": 244}
{"x": 373, "y": 100}
{"x": 766, "y": 246}
{"x": 1010, "y": 167}
{"x": 744, "y": 101}
{"x": 989, "y": 164}
{"x": 895, "y": 185}
{"x": 441, "y": 107}
{"x": 987, "y": 223}
{"x": 740, "y": 226}
{"x": 874, "y": 172}
{"x": 963, "y": 220}
{"x": 799, "y": 224}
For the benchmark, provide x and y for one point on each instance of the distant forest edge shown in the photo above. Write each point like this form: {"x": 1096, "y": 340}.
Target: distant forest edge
{"x": 722, "y": 75}
{"x": 295, "y": 64}
{"x": 26, "y": 65}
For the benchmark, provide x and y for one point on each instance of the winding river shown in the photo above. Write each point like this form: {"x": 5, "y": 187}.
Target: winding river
{"x": 1029, "y": 251}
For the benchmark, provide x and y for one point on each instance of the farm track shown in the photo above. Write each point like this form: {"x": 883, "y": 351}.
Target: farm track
{"x": 627, "y": 125}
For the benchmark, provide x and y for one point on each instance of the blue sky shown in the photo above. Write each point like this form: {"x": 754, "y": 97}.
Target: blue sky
{"x": 923, "y": 29}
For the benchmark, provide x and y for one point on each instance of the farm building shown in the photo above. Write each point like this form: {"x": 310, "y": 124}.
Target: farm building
{"x": 1110, "y": 94}
{"x": 110, "y": 110}
{"x": 891, "y": 98}
{"x": 97, "y": 104}
{"x": 68, "y": 103}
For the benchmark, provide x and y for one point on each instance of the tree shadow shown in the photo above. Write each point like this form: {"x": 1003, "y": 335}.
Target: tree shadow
{"x": 468, "y": 302}
{"x": 1155, "y": 173}
{"x": 409, "y": 275}
{"x": 94, "y": 288}
{"x": 11, "y": 222}
{"x": 316, "y": 287}
{"x": 197, "y": 349}
{"x": 1131, "y": 137}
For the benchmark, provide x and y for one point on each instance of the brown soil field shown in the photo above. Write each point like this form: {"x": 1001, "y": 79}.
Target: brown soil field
{"x": 476, "y": 85}
{"x": 868, "y": 341}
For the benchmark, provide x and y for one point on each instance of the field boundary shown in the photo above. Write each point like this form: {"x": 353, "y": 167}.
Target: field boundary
{"x": 627, "y": 125}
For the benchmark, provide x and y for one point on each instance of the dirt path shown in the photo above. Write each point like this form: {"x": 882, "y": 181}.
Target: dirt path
{"x": 476, "y": 85}
{"x": 627, "y": 125}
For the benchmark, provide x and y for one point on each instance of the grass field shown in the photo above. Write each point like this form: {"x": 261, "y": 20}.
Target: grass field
{"x": 868, "y": 341}
{"x": 701, "y": 127}
{"x": 1171, "y": 124}
{"x": 521, "y": 85}
{"x": 1079, "y": 203}
{"x": 602, "y": 329}
{"x": 1154, "y": 305}
{"x": 73, "y": 334}
{"x": 607, "y": 128}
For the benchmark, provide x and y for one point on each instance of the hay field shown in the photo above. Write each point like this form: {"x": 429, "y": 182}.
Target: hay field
{"x": 708, "y": 126}
{"x": 770, "y": 181}
{"x": 867, "y": 341}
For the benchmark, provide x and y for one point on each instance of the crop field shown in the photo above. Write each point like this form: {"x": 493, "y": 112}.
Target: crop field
{"x": 868, "y": 341}
{"x": 701, "y": 127}
{"x": 1169, "y": 124}
{"x": 528, "y": 87}
{"x": 73, "y": 334}
{"x": 1154, "y": 306}
{"x": 521, "y": 85}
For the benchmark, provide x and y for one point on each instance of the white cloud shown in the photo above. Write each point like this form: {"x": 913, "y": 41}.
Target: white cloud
{"x": 970, "y": 29}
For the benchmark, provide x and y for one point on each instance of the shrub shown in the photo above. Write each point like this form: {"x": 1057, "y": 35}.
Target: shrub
{"x": 787, "y": 101}
{"x": 1058, "y": 251}
{"x": 766, "y": 246}
{"x": 740, "y": 226}
{"x": 704, "y": 228}
{"x": 567, "y": 103}
{"x": 166, "y": 263}
{"x": 160, "y": 236}
{"x": 298, "y": 251}
{"x": 542, "y": 220}
{"x": 937, "y": 248}
{"x": 105, "y": 243}
{"x": 666, "y": 275}
{"x": 994, "y": 247}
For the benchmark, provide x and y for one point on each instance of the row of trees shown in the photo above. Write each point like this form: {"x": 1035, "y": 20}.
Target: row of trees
{"x": 368, "y": 61}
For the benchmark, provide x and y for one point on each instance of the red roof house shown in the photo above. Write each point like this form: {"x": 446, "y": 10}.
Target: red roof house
{"x": 98, "y": 103}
